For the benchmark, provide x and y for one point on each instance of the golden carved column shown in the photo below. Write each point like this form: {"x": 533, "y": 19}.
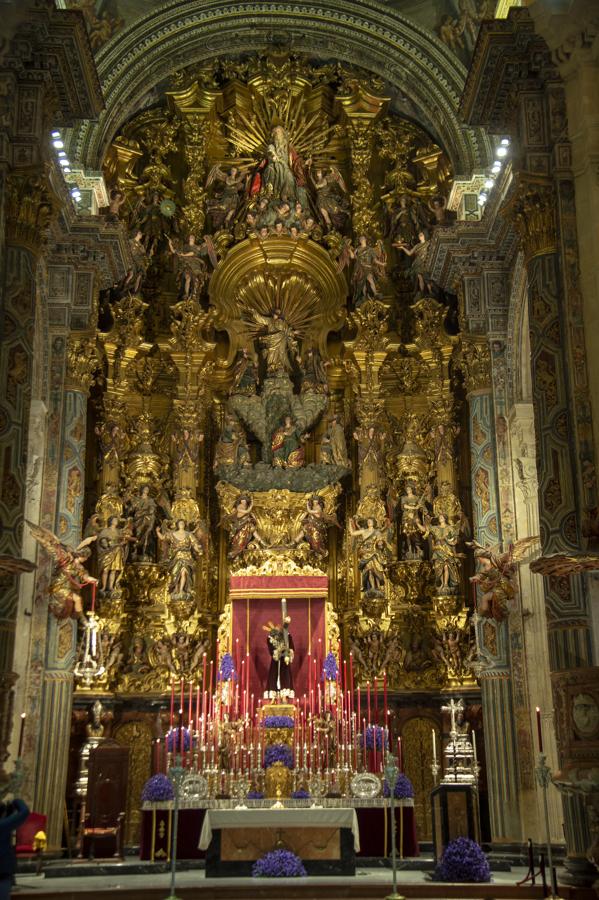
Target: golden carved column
{"x": 362, "y": 110}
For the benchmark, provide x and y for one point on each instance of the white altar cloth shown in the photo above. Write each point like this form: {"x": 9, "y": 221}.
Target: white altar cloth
{"x": 313, "y": 817}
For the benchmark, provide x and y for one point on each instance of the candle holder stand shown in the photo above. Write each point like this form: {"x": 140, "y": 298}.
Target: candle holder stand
{"x": 391, "y": 775}
{"x": 176, "y": 774}
{"x": 543, "y": 774}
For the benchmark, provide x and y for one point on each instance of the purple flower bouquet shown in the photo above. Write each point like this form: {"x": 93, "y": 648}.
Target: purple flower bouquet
{"x": 157, "y": 789}
{"x": 403, "y": 788}
{"x": 279, "y": 864}
{"x": 278, "y": 753}
{"x": 374, "y": 733}
{"x": 173, "y": 740}
{"x": 463, "y": 861}
{"x": 226, "y": 670}
{"x": 330, "y": 669}
{"x": 300, "y": 794}
{"x": 254, "y": 795}
{"x": 277, "y": 722}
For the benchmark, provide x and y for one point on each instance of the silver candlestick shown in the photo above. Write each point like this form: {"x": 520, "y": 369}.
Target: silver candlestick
{"x": 176, "y": 774}
{"x": 391, "y": 776}
{"x": 543, "y": 773}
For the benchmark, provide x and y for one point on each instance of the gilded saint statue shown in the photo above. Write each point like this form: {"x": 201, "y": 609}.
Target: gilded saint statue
{"x": 413, "y": 510}
{"x": 287, "y": 446}
{"x": 185, "y": 453}
{"x": 231, "y": 447}
{"x": 371, "y": 440}
{"x": 278, "y": 342}
{"x": 113, "y": 551}
{"x": 182, "y": 547}
{"x": 374, "y": 555}
{"x": 143, "y": 512}
{"x": 444, "y": 556}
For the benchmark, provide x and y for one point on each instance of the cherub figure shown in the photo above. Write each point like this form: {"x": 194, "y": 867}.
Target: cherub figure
{"x": 69, "y": 575}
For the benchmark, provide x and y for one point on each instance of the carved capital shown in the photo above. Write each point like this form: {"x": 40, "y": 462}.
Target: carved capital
{"x": 30, "y": 207}
{"x": 83, "y": 361}
{"x": 532, "y": 211}
{"x": 473, "y": 359}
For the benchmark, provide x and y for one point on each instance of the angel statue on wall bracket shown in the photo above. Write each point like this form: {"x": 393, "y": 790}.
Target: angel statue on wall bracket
{"x": 497, "y": 578}
{"x": 242, "y": 527}
{"x": 68, "y": 576}
{"x": 182, "y": 547}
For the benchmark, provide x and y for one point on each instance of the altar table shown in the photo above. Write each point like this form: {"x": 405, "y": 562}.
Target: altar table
{"x": 373, "y": 821}
{"x": 326, "y": 840}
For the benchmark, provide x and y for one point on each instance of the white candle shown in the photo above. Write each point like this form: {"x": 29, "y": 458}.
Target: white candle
{"x": 434, "y": 746}
{"x": 474, "y": 745}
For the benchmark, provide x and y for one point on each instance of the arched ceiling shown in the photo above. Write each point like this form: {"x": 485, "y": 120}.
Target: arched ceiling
{"x": 421, "y": 71}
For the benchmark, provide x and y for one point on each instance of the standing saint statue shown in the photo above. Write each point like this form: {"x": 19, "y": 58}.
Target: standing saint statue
{"x": 278, "y": 342}
{"x": 370, "y": 458}
{"x": 113, "y": 550}
{"x": 280, "y": 646}
{"x": 183, "y": 547}
{"x": 143, "y": 513}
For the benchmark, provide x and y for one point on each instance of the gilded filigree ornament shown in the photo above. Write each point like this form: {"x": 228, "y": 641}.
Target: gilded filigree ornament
{"x": 371, "y": 321}
{"x": 532, "y": 210}
{"x": 30, "y": 206}
{"x": 429, "y": 316}
{"x": 83, "y": 363}
{"x": 473, "y": 359}
{"x": 128, "y": 321}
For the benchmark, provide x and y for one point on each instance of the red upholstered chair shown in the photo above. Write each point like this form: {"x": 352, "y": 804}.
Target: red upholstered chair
{"x": 25, "y": 834}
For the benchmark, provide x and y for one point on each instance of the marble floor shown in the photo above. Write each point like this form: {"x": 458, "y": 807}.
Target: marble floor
{"x": 112, "y": 881}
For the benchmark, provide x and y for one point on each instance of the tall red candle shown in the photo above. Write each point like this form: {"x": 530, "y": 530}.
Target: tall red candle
{"x": 182, "y": 703}
{"x": 376, "y": 702}
{"x": 386, "y": 715}
{"x": 172, "y": 702}
{"x": 351, "y": 679}
{"x": 399, "y": 756}
{"x": 539, "y": 730}
{"x": 204, "y": 659}
{"x": 189, "y": 703}
{"x": 368, "y": 700}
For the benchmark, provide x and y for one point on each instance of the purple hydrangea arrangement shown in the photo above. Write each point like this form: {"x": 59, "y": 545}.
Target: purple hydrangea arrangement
{"x": 279, "y": 864}
{"x": 277, "y": 722}
{"x": 157, "y": 789}
{"x": 254, "y": 795}
{"x": 278, "y": 753}
{"x": 404, "y": 788}
{"x": 226, "y": 670}
{"x": 173, "y": 740}
{"x": 374, "y": 733}
{"x": 463, "y": 861}
{"x": 330, "y": 669}
{"x": 300, "y": 794}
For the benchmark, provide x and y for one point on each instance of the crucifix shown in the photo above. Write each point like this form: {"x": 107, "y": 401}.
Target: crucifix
{"x": 453, "y": 709}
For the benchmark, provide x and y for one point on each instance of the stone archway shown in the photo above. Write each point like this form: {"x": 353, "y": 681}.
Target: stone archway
{"x": 418, "y": 66}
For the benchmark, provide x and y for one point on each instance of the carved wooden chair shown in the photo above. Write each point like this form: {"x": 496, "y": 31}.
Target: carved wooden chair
{"x": 106, "y": 798}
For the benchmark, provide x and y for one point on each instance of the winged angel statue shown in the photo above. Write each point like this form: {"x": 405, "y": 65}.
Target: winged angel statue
{"x": 497, "y": 577}
{"x": 68, "y": 576}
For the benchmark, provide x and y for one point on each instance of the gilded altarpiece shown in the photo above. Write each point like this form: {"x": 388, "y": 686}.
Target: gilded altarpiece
{"x": 278, "y": 411}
